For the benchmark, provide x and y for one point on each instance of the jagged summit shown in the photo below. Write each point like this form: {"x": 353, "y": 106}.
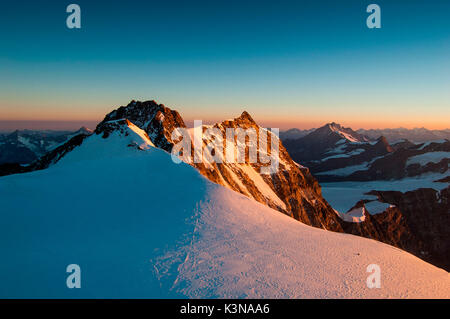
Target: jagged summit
{"x": 334, "y": 125}
{"x": 157, "y": 120}
{"x": 245, "y": 116}
{"x": 244, "y": 120}
{"x": 83, "y": 130}
{"x": 340, "y": 131}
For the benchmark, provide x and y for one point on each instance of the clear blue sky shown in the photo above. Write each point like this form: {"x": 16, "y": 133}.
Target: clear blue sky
{"x": 297, "y": 63}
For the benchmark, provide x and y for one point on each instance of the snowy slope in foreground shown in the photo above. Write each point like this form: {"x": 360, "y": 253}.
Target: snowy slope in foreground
{"x": 141, "y": 226}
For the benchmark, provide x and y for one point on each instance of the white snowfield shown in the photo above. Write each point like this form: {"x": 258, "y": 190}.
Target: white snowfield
{"x": 430, "y": 157}
{"x": 356, "y": 215}
{"x": 140, "y": 226}
{"x": 344, "y": 195}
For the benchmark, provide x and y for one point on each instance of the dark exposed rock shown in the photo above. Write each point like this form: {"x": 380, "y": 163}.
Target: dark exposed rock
{"x": 12, "y": 168}
{"x": 443, "y": 180}
{"x": 16, "y": 153}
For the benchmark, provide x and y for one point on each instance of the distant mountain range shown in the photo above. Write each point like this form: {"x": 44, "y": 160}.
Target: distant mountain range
{"x": 335, "y": 153}
{"x": 416, "y": 135}
{"x": 294, "y": 133}
{"x": 26, "y": 146}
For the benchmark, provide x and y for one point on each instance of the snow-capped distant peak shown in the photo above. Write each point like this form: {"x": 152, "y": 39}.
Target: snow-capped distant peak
{"x": 346, "y": 133}
{"x": 84, "y": 130}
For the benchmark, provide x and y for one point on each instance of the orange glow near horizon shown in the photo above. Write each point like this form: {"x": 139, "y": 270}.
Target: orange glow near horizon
{"x": 58, "y": 119}
{"x": 282, "y": 117}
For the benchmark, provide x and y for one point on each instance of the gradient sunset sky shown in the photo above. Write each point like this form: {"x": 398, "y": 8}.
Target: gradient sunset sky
{"x": 289, "y": 64}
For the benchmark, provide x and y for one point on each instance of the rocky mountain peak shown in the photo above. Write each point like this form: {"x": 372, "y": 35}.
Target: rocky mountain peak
{"x": 157, "y": 120}
{"x": 245, "y": 118}
{"x": 334, "y": 126}
{"x": 84, "y": 130}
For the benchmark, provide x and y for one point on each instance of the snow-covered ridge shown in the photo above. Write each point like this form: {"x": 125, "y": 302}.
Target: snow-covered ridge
{"x": 430, "y": 157}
